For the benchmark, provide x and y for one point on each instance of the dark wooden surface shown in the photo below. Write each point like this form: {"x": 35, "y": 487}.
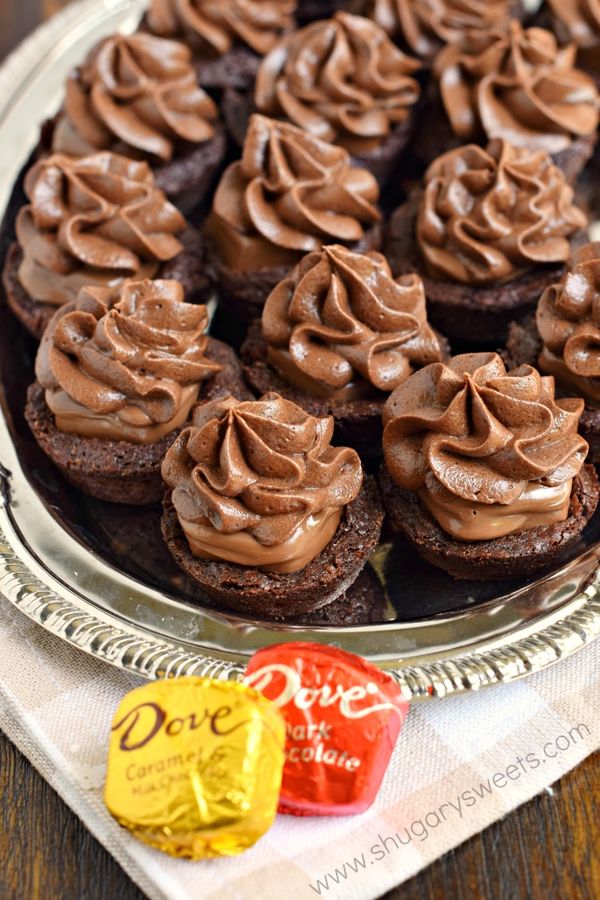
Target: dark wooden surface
{"x": 546, "y": 849}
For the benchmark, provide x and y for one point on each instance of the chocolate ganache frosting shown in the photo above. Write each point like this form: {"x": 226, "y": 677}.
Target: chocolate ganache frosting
{"x": 488, "y": 215}
{"x": 517, "y": 84}
{"x": 98, "y": 220}
{"x": 425, "y": 25}
{"x": 125, "y": 364}
{"x": 290, "y": 193}
{"x": 258, "y": 483}
{"x": 341, "y": 327}
{"x": 135, "y": 94}
{"x": 214, "y": 26}
{"x": 342, "y": 79}
{"x": 489, "y": 452}
{"x": 568, "y": 320}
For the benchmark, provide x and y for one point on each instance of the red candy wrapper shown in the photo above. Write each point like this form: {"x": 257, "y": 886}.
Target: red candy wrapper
{"x": 342, "y": 716}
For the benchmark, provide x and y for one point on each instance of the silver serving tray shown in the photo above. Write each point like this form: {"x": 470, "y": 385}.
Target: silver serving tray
{"x": 51, "y": 572}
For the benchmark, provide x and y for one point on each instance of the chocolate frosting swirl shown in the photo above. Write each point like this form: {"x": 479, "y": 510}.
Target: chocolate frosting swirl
{"x": 342, "y": 79}
{"x": 292, "y": 192}
{"x": 139, "y": 346}
{"x": 135, "y": 93}
{"x": 341, "y": 317}
{"x": 517, "y": 84}
{"x": 568, "y": 316}
{"x": 425, "y": 25}
{"x": 470, "y": 428}
{"x": 258, "y": 466}
{"x": 577, "y": 20}
{"x": 98, "y": 220}
{"x": 216, "y": 25}
{"x": 488, "y": 214}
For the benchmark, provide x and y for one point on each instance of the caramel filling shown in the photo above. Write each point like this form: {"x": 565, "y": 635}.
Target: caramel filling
{"x": 246, "y": 252}
{"x": 588, "y": 388}
{"x": 57, "y": 288}
{"x": 310, "y": 537}
{"x": 127, "y": 424}
{"x": 467, "y": 521}
{"x": 285, "y": 365}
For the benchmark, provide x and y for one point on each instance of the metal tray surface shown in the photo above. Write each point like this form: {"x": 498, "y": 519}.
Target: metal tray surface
{"x": 95, "y": 575}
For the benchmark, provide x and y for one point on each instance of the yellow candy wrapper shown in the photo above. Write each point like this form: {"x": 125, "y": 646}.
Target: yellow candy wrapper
{"x": 195, "y": 766}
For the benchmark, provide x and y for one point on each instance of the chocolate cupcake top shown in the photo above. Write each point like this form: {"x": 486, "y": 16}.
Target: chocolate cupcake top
{"x": 342, "y": 79}
{"x": 264, "y": 469}
{"x": 134, "y": 94}
{"x": 568, "y": 320}
{"x": 487, "y": 215}
{"x": 289, "y": 193}
{"x": 472, "y": 431}
{"x": 342, "y": 321}
{"x": 517, "y": 84}
{"x": 214, "y": 26}
{"x": 424, "y": 26}
{"x": 125, "y": 364}
{"x": 98, "y": 220}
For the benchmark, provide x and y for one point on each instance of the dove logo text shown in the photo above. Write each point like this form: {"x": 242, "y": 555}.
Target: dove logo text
{"x": 350, "y": 700}
{"x": 142, "y": 723}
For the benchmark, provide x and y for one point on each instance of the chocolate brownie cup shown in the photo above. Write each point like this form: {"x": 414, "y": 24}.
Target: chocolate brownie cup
{"x": 488, "y": 232}
{"x": 288, "y": 195}
{"x": 263, "y": 512}
{"x": 309, "y": 10}
{"x": 484, "y": 469}
{"x": 137, "y": 95}
{"x": 517, "y": 84}
{"x": 337, "y": 336}
{"x": 422, "y": 28}
{"x": 578, "y": 22}
{"x": 98, "y": 220}
{"x": 563, "y": 339}
{"x": 228, "y": 39}
{"x": 364, "y": 603}
{"x": 343, "y": 80}
{"x": 118, "y": 373}
{"x": 523, "y": 347}
{"x": 509, "y": 558}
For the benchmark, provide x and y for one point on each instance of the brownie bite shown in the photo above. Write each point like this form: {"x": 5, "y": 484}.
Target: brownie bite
{"x": 364, "y": 603}
{"x": 563, "y": 339}
{"x": 489, "y": 230}
{"x": 228, "y": 39}
{"x": 99, "y": 220}
{"x": 288, "y": 195}
{"x": 343, "y": 80}
{"x": 422, "y": 28}
{"x": 309, "y": 10}
{"x": 337, "y": 336}
{"x": 263, "y": 512}
{"x": 484, "y": 469}
{"x": 118, "y": 373}
{"x": 513, "y": 83}
{"x": 137, "y": 95}
{"x": 577, "y": 22}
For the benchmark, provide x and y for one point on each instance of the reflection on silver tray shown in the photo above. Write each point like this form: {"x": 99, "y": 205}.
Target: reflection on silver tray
{"x": 71, "y": 566}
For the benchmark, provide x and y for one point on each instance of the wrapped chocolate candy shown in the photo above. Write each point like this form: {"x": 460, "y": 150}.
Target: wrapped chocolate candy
{"x": 342, "y": 717}
{"x": 195, "y": 765}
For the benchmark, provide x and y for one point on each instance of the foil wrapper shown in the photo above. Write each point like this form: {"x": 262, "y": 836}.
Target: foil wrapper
{"x": 195, "y": 766}
{"x": 342, "y": 716}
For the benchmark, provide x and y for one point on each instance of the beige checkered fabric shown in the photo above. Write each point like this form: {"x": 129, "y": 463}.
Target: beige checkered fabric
{"x": 459, "y": 765}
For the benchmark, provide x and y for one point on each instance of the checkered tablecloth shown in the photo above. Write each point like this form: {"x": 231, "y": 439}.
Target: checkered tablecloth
{"x": 459, "y": 765}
